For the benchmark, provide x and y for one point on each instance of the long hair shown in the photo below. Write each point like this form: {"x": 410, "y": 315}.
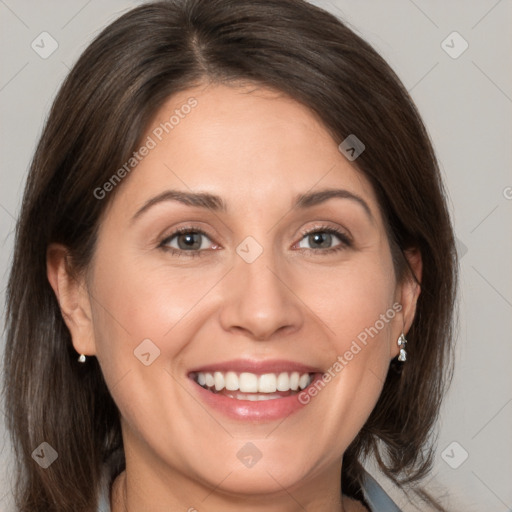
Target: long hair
{"x": 97, "y": 121}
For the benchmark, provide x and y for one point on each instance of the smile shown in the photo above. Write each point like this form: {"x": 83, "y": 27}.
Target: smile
{"x": 251, "y": 386}
{"x": 252, "y": 390}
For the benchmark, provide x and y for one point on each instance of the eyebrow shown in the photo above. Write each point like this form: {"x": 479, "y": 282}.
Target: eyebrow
{"x": 198, "y": 199}
{"x": 217, "y": 204}
{"x": 314, "y": 198}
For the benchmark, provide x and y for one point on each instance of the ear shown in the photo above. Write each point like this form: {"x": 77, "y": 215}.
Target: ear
{"x": 73, "y": 298}
{"x": 407, "y": 295}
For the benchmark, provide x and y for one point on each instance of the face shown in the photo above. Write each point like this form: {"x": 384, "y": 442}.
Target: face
{"x": 209, "y": 315}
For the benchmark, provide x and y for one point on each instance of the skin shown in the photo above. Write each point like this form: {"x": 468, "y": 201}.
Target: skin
{"x": 257, "y": 149}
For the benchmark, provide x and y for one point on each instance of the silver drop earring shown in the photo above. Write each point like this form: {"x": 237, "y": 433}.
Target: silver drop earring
{"x": 401, "y": 343}
{"x": 82, "y": 358}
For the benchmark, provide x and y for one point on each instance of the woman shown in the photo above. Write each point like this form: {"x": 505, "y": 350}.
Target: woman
{"x": 234, "y": 272}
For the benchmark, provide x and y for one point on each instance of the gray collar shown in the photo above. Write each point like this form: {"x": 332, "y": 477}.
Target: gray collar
{"x": 376, "y": 497}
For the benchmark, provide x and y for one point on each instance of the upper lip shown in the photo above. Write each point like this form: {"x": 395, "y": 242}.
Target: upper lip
{"x": 257, "y": 367}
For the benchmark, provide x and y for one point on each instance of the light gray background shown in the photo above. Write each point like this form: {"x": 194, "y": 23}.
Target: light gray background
{"x": 466, "y": 104}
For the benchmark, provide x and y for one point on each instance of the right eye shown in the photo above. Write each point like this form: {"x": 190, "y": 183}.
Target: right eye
{"x": 187, "y": 240}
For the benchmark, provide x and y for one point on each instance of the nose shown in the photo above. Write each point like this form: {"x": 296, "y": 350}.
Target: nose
{"x": 260, "y": 299}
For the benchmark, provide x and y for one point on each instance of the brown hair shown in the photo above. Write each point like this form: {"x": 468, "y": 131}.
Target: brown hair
{"x": 96, "y": 122}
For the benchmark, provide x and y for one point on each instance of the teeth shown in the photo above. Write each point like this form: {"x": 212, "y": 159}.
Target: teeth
{"x": 267, "y": 383}
{"x": 254, "y": 397}
{"x": 304, "y": 381}
{"x": 210, "y": 381}
{"x": 247, "y": 382}
{"x": 283, "y": 382}
{"x": 231, "y": 381}
{"x": 219, "y": 380}
{"x": 294, "y": 381}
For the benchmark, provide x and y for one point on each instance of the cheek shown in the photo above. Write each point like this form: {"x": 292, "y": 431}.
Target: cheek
{"x": 356, "y": 306}
{"x": 139, "y": 301}
{"x": 136, "y": 301}
{"x": 350, "y": 299}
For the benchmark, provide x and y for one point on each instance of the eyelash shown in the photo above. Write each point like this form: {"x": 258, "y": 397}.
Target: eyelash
{"x": 344, "y": 239}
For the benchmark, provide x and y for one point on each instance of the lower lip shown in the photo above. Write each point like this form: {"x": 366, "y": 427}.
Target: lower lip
{"x": 264, "y": 410}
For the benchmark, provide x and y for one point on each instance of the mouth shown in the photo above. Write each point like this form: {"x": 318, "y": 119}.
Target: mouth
{"x": 253, "y": 386}
{"x": 254, "y": 390}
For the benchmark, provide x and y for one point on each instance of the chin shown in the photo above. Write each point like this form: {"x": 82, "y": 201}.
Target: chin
{"x": 260, "y": 481}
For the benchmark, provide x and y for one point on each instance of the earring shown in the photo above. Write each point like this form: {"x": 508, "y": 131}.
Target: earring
{"x": 401, "y": 343}
{"x": 82, "y": 358}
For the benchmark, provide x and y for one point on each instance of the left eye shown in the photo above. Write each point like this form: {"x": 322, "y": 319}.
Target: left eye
{"x": 322, "y": 239}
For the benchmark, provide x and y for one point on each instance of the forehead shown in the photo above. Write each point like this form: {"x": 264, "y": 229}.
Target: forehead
{"x": 252, "y": 145}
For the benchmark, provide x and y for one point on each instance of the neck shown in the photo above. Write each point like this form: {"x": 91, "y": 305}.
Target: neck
{"x": 129, "y": 494}
{"x": 150, "y": 483}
